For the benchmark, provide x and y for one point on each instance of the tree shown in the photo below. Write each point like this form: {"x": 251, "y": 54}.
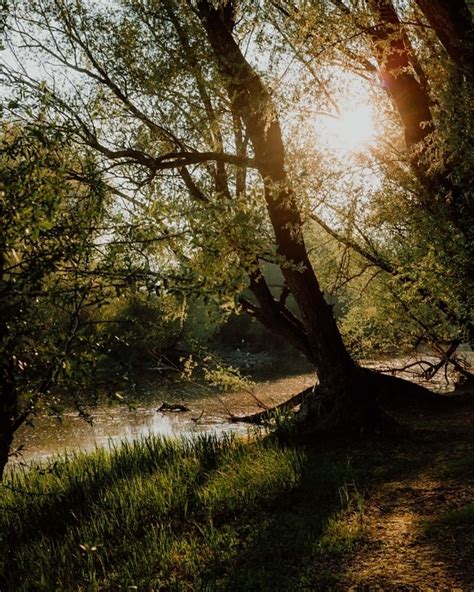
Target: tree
{"x": 430, "y": 206}
{"x": 173, "y": 91}
{"x": 48, "y": 271}
{"x": 453, "y": 25}
{"x": 437, "y": 159}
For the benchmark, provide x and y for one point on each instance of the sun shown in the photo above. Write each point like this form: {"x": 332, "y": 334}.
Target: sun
{"x": 351, "y": 131}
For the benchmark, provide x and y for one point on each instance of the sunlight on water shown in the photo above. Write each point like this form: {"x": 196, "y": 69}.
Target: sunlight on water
{"x": 111, "y": 425}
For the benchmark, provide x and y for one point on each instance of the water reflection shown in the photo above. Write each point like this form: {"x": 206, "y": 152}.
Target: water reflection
{"x": 111, "y": 425}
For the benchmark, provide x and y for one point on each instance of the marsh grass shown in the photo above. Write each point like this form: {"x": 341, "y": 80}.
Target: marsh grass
{"x": 157, "y": 514}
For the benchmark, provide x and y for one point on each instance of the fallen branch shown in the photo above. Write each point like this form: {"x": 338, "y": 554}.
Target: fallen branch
{"x": 257, "y": 418}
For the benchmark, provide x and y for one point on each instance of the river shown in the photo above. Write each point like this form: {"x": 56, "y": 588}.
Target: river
{"x": 113, "y": 423}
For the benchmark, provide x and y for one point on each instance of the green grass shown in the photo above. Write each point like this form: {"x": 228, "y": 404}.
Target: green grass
{"x": 207, "y": 514}
{"x": 462, "y": 467}
{"x": 177, "y": 515}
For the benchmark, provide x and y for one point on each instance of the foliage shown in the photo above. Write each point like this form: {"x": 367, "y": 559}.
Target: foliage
{"x": 214, "y": 214}
{"x": 215, "y": 179}
{"x": 50, "y": 267}
{"x": 142, "y": 329}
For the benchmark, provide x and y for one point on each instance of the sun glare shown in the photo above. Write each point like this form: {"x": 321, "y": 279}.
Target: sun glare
{"x": 351, "y": 131}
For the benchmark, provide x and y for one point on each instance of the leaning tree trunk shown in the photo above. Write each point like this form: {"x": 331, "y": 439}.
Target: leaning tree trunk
{"x": 453, "y": 24}
{"x": 345, "y": 397}
{"x": 395, "y": 58}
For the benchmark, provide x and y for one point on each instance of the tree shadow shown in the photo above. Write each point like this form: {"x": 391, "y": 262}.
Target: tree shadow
{"x": 298, "y": 543}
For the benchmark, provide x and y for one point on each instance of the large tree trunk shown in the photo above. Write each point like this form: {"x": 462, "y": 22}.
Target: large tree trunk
{"x": 253, "y": 103}
{"x": 6, "y": 439}
{"x": 342, "y": 398}
{"x": 355, "y": 411}
{"x": 453, "y": 24}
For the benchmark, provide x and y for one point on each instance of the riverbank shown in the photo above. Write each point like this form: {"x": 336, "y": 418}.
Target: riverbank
{"x": 208, "y": 412}
{"x": 233, "y": 515}
{"x": 210, "y": 407}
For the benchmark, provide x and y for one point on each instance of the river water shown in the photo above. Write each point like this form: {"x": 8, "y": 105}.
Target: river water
{"x": 113, "y": 423}
{"x": 110, "y": 425}
{"x": 209, "y": 413}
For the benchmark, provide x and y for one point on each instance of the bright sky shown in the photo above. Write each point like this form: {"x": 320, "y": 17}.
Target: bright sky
{"x": 350, "y": 132}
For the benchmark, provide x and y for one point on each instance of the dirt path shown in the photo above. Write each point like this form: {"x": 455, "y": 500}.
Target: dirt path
{"x": 397, "y": 552}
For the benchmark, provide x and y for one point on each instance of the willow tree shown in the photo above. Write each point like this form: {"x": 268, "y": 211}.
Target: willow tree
{"x": 48, "y": 272}
{"x": 439, "y": 157}
{"x": 190, "y": 125}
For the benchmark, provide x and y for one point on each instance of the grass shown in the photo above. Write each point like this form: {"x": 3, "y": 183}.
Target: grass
{"x": 210, "y": 514}
{"x": 176, "y": 515}
{"x": 461, "y": 467}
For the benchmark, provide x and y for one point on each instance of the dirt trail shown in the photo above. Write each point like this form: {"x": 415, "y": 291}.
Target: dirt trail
{"x": 397, "y": 553}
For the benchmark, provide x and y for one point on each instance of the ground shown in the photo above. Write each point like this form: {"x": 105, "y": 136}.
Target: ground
{"x": 416, "y": 525}
{"x": 367, "y": 515}
{"x": 408, "y": 537}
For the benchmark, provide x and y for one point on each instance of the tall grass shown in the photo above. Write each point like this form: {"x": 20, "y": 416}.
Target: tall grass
{"x": 158, "y": 514}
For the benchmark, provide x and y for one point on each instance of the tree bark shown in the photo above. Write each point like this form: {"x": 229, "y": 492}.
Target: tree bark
{"x": 363, "y": 412}
{"x": 453, "y": 24}
{"x": 394, "y": 55}
{"x": 6, "y": 439}
{"x": 261, "y": 416}
{"x": 275, "y": 316}
{"x": 8, "y": 392}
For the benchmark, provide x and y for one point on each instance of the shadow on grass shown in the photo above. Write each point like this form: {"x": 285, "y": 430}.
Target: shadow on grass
{"x": 306, "y": 541}
{"x": 298, "y": 542}
{"x": 179, "y": 516}
{"x": 208, "y": 515}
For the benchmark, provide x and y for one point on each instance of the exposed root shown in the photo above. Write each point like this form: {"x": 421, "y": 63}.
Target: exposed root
{"x": 392, "y": 392}
{"x": 266, "y": 414}
{"x": 464, "y": 391}
{"x": 361, "y": 408}
{"x": 352, "y": 413}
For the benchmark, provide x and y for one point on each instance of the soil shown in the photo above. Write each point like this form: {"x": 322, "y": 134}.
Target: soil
{"x": 398, "y": 551}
